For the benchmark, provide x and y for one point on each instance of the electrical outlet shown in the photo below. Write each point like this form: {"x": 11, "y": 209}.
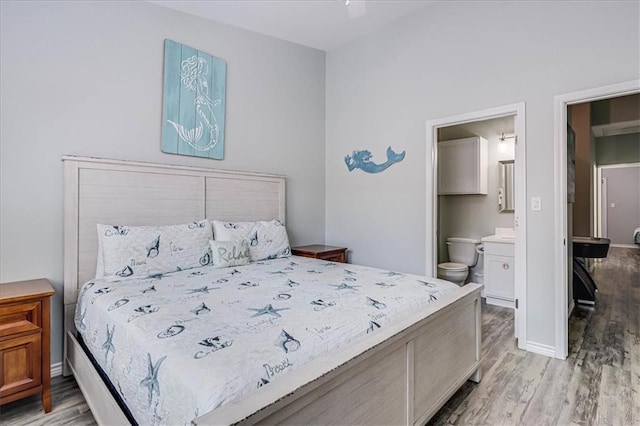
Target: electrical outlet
{"x": 536, "y": 204}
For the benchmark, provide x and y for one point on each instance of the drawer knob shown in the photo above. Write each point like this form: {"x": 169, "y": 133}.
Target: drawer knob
{"x": 505, "y": 266}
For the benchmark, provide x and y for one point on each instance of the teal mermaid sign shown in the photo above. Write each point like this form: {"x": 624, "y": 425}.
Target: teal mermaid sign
{"x": 194, "y": 102}
{"x": 362, "y": 160}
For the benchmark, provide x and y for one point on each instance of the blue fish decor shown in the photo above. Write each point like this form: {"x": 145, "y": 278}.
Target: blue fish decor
{"x": 362, "y": 160}
{"x": 193, "y": 103}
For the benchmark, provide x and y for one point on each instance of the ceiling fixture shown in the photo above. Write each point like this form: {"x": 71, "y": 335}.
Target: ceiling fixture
{"x": 504, "y": 137}
{"x": 502, "y": 142}
{"x": 356, "y": 8}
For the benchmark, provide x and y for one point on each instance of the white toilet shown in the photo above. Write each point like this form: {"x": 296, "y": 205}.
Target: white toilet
{"x": 463, "y": 254}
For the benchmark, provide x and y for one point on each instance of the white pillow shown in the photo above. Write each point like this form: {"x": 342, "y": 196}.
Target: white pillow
{"x": 140, "y": 251}
{"x": 267, "y": 239}
{"x": 229, "y": 253}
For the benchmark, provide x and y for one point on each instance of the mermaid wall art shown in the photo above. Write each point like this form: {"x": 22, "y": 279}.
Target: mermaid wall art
{"x": 193, "y": 102}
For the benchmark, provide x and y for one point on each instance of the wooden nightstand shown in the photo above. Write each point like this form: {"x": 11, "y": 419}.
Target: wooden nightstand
{"x": 25, "y": 340}
{"x": 319, "y": 251}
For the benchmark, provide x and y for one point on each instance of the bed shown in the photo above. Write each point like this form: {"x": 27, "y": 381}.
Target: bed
{"x": 401, "y": 373}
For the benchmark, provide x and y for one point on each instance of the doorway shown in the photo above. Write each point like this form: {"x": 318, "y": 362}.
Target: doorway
{"x": 562, "y": 231}
{"x": 618, "y": 200}
{"x": 517, "y": 112}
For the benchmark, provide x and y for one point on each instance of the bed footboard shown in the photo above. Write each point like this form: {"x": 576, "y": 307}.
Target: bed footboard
{"x": 404, "y": 380}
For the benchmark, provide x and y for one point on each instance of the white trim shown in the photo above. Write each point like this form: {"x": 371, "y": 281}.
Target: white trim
{"x": 597, "y": 204}
{"x": 496, "y": 301}
{"x": 560, "y": 197}
{"x": 604, "y": 199}
{"x": 56, "y": 369}
{"x": 520, "y": 256}
{"x": 540, "y": 349}
{"x": 572, "y": 305}
{"x": 619, "y": 166}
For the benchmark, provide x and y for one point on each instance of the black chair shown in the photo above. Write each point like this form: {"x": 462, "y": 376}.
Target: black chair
{"x": 584, "y": 288}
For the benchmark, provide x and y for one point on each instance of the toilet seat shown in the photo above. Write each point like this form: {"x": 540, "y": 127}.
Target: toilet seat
{"x": 453, "y": 267}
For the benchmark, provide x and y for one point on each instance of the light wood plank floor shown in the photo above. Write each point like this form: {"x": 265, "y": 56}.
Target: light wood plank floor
{"x": 599, "y": 383}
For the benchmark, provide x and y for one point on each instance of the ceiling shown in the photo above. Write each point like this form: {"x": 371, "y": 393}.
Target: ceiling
{"x": 321, "y": 24}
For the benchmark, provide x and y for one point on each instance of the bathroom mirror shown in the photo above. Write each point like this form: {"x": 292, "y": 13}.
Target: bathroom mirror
{"x": 505, "y": 186}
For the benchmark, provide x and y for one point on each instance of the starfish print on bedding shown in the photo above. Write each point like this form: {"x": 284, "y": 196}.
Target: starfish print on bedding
{"x": 201, "y": 290}
{"x": 80, "y": 322}
{"x": 345, "y": 286}
{"x": 267, "y": 310}
{"x": 392, "y": 273}
{"x": 108, "y": 344}
{"x": 292, "y": 283}
{"x": 149, "y": 289}
{"x": 151, "y": 381}
{"x": 428, "y": 284}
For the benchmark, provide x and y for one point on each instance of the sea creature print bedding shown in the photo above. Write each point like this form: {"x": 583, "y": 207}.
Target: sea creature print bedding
{"x": 178, "y": 345}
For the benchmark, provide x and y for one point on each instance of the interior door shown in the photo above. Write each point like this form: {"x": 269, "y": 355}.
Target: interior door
{"x": 621, "y": 203}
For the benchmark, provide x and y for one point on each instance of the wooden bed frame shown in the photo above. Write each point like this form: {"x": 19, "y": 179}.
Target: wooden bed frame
{"x": 402, "y": 375}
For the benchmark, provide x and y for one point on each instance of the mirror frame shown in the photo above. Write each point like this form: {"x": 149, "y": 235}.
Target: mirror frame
{"x": 506, "y": 196}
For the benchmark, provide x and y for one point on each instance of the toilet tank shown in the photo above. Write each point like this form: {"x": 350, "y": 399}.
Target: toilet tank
{"x": 463, "y": 250}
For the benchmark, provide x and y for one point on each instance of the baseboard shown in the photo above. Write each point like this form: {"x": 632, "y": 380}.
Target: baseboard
{"x": 539, "y": 348}
{"x": 56, "y": 369}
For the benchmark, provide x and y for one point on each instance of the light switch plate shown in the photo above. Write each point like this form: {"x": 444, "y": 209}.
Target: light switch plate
{"x": 536, "y": 204}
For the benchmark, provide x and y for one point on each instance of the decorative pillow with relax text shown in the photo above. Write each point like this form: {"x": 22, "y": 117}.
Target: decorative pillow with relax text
{"x": 140, "y": 251}
{"x": 267, "y": 239}
{"x": 229, "y": 253}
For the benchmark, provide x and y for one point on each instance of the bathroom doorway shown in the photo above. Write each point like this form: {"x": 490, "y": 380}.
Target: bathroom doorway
{"x": 492, "y": 208}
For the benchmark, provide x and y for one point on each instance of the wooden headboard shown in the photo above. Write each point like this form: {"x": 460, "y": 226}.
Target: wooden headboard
{"x": 135, "y": 193}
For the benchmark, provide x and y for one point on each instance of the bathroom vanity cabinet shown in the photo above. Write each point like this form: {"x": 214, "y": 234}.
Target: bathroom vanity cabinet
{"x": 462, "y": 166}
{"x": 499, "y": 274}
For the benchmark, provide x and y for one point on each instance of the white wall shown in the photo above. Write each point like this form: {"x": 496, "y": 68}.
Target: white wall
{"x": 86, "y": 79}
{"x": 454, "y": 58}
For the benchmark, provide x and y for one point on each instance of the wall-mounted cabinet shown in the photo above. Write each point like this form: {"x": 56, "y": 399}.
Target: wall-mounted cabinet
{"x": 462, "y": 166}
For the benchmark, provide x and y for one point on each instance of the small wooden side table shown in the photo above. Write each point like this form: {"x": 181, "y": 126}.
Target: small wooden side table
{"x": 25, "y": 340}
{"x": 319, "y": 251}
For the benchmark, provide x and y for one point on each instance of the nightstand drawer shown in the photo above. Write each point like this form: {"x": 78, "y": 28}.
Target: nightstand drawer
{"x": 341, "y": 258}
{"x": 25, "y": 340}
{"x": 20, "y": 365}
{"x": 19, "y": 318}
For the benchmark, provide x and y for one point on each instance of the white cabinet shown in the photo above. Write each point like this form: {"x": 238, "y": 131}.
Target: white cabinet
{"x": 462, "y": 166}
{"x": 499, "y": 276}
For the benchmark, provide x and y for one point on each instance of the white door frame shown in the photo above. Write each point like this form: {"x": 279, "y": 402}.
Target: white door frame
{"x": 603, "y": 200}
{"x": 601, "y": 195}
{"x": 520, "y": 186}
{"x": 560, "y": 178}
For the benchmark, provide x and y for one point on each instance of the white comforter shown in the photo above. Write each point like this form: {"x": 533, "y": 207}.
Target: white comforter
{"x": 179, "y": 345}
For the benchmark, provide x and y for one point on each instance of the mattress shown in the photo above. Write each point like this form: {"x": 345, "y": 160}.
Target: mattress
{"x": 178, "y": 345}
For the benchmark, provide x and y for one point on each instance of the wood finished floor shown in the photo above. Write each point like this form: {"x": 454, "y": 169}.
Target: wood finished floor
{"x": 598, "y": 384}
